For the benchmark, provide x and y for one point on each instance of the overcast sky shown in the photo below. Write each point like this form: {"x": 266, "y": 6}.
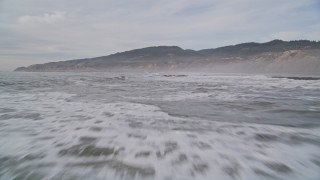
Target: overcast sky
{"x": 39, "y": 31}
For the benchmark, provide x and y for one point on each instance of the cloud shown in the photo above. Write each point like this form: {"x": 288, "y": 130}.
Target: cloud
{"x": 48, "y": 18}
{"x": 287, "y": 35}
{"x": 79, "y": 28}
{"x": 296, "y": 35}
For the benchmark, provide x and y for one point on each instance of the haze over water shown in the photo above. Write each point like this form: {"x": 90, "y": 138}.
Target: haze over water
{"x": 158, "y": 126}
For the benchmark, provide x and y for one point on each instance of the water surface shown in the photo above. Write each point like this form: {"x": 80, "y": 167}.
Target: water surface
{"x": 158, "y": 126}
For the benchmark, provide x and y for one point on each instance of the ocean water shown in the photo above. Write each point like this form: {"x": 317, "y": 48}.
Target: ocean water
{"x": 158, "y": 126}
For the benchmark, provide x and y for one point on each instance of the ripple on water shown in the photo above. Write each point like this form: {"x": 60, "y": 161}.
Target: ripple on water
{"x": 21, "y": 115}
{"x": 87, "y": 151}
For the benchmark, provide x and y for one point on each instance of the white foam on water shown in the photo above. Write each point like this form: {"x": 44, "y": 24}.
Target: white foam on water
{"x": 56, "y": 135}
{"x": 220, "y": 84}
{"x": 151, "y": 144}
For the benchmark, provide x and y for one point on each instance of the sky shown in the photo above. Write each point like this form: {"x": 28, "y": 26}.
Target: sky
{"x": 39, "y": 31}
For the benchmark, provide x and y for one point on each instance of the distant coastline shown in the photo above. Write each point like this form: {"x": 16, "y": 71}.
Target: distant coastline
{"x": 277, "y": 56}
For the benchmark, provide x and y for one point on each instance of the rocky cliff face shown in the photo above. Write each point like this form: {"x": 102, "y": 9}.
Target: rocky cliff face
{"x": 271, "y": 57}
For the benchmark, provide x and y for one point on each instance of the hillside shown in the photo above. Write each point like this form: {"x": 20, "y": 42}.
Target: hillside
{"x": 271, "y": 57}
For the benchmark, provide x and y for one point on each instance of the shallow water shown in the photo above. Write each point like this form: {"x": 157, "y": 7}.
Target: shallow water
{"x": 158, "y": 126}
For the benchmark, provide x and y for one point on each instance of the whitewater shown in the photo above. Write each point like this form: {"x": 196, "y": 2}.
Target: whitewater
{"x": 158, "y": 126}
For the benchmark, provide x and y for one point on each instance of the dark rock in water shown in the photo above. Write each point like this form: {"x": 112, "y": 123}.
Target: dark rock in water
{"x": 297, "y": 78}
